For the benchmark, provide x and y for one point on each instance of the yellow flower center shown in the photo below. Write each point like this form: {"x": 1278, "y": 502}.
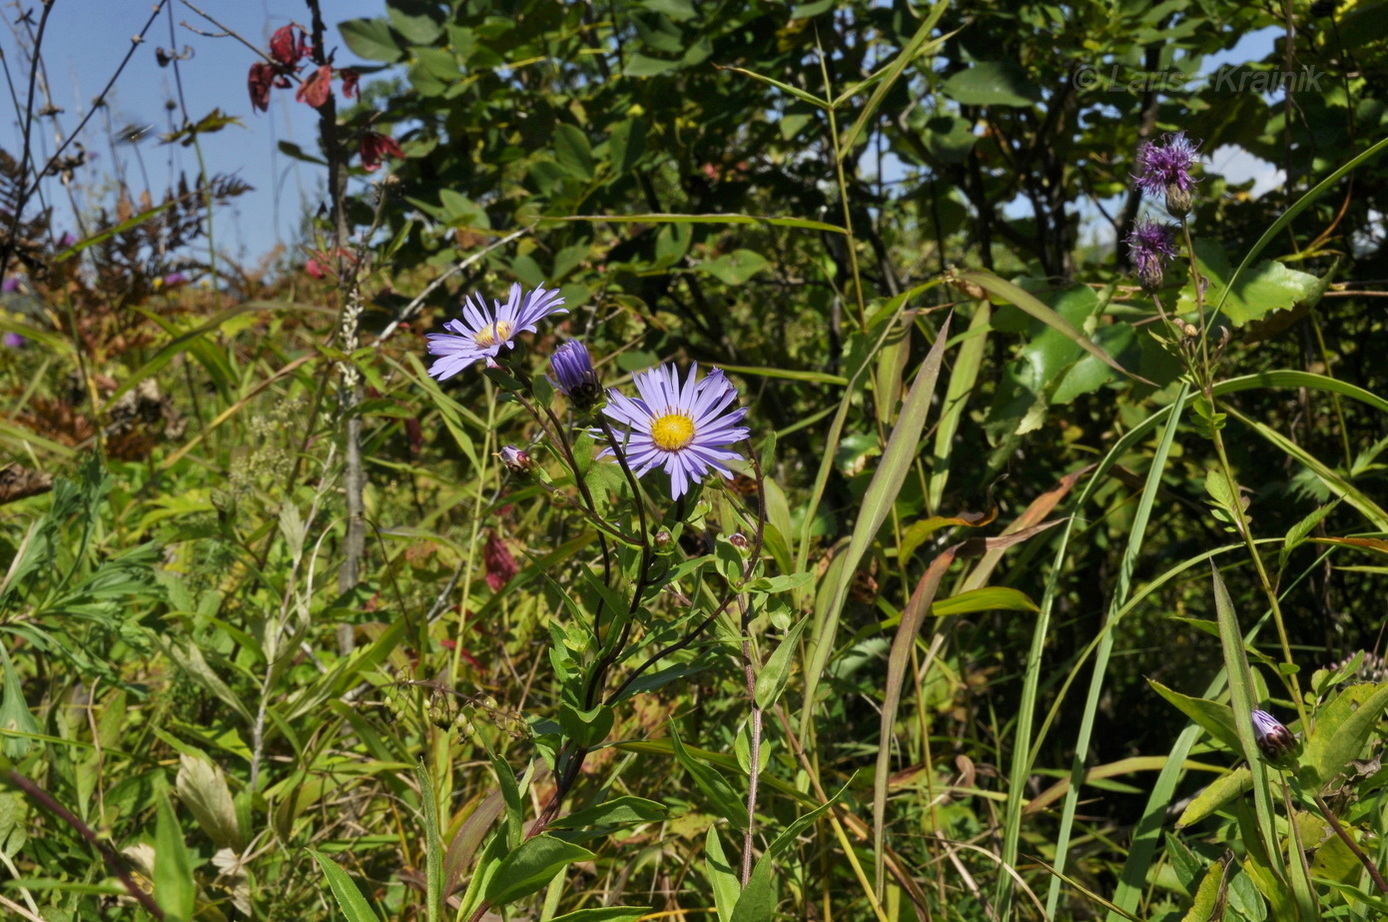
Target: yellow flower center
{"x": 492, "y": 333}
{"x": 672, "y": 431}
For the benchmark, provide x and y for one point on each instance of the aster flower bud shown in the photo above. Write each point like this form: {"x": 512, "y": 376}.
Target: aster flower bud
{"x": 1178, "y": 201}
{"x": 574, "y": 375}
{"x": 1274, "y": 740}
{"x": 1150, "y": 245}
{"x": 738, "y": 540}
{"x": 663, "y": 539}
{"x": 518, "y": 460}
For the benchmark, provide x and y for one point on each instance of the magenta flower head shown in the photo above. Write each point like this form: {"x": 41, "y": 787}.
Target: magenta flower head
{"x": 1274, "y": 740}
{"x": 574, "y": 374}
{"x": 1150, "y": 246}
{"x": 686, "y": 429}
{"x": 483, "y": 333}
{"x": 1163, "y": 167}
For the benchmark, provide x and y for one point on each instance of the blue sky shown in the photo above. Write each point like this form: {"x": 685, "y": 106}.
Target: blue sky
{"x": 82, "y": 48}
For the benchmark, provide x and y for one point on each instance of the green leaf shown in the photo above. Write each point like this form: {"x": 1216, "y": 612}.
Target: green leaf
{"x": 1219, "y": 792}
{"x": 1343, "y": 728}
{"x": 992, "y": 83}
{"x": 530, "y": 866}
{"x": 202, "y": 788}
{"x": 174, "y": 889}
{"x": 14, "y": 711}
{"x": 758, "y": 900}
{"x": 735, "y": 268}
{"x": 1214, "y": 718}
{"x": 349, "y": 899}
{"x": 418, "y": 22}
{"x": 371, "y": 39}
{"x": 1261, "y": 289}
{"x": 572, "y": 150}
{"x": 721, "y": 877}
{"x": 433, "y": 844}
{"x": 725, "y": 803}
{"x": 989, "y": 598}
{"x": 771, "y": 682}
{"x": 605, "y": 914}
{"x": 620, "y": 811}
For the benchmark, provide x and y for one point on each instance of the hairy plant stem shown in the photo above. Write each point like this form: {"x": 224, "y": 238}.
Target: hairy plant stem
{"x": 109, "y": 855}
{"x": 1203, "y": 372}
{"x": 1353, "y": 846}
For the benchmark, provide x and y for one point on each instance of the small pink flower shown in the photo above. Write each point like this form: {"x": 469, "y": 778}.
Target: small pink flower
{"x": 261, "y": 79}
{"x": 317, "y": 88}
{"x": 375, "y": 146}
{"x": 349, "y": 82}
{"x": 288, "y": 49}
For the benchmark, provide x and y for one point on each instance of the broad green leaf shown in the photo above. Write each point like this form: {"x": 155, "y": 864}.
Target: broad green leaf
{"x": 606, "y": 914}
{"x": 202, "y": 788}
{"x": 371, "y": 39}
{"x": 418, "y": 22}
{"x": 1343, "y": 728}
{"x": 721, "y": 876}
{"x": 1261, "y": 289}
{"x": 174, "y": 888}
{"x": 620, "y": 811}
{"x": 530, "y": 867}
{"x": 1219, "y": 792}
{"x": 349, "y": 899}
{"x": 758, "y": 900}
{"x": 14, "y": 711}
{"x": 724, "y": 801}
{"x": 774, "y": 675}
{"x": 1214, "y": 718}
{"x": 735, "y": 268}
{"x": 992, "y": 83}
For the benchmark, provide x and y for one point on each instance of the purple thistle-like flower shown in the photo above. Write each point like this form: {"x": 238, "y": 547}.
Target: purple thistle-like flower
{"x": 685, "y": 429}
{"x": 574, "y": 374}
{"x": 1150, "y": 245}
{"x": 483, "y": 333}
{"x": 1163, "y": 168}
{"x": 1274, "y": 740}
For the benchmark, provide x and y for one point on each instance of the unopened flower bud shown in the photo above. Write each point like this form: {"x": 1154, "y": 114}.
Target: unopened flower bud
{"x": 574, "y": 375}
{"x": 1190, "y": 330}
{"x": 1274, "y": 740}
{"x": 662, "y": 539}
{"x": 518, "y": 460}
{"x": 738, "y": 540}
{"x": 1178, "y": 200}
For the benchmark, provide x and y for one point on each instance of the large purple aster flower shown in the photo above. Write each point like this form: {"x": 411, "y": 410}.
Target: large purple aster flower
{"x": 483, "y": 333}
{"x": 1163, "y": 168}
{"x": 1150, "y": 245}
{"x": 683, "y": 428}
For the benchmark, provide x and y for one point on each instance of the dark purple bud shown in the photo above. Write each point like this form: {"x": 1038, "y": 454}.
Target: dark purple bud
{"x": 517, "y": 459}
{"x": 574, "y": 375}
{"x": 1274, "y": 740}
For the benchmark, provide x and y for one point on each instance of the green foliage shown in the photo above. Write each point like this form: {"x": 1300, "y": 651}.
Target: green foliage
{"x": 945, "y": 646}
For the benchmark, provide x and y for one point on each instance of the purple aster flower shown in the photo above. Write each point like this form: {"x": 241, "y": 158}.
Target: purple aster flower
{"x": 15, "y": 341}
{"x": 1150, "y": 245}
{"x": 574, "y": 374}
{"x": 1163, "y": 167}
{"x": 683, "y": 428}
{"x": 1274, "y": 740}
{"x": 518, "y": 460}
{"x": 482, "y": 333}
{"x": 10, "y": 285}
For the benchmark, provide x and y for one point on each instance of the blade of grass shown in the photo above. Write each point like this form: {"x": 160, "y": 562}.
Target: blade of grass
{"x": 897, "y": 459}
{"x": 1136, "y": 535}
